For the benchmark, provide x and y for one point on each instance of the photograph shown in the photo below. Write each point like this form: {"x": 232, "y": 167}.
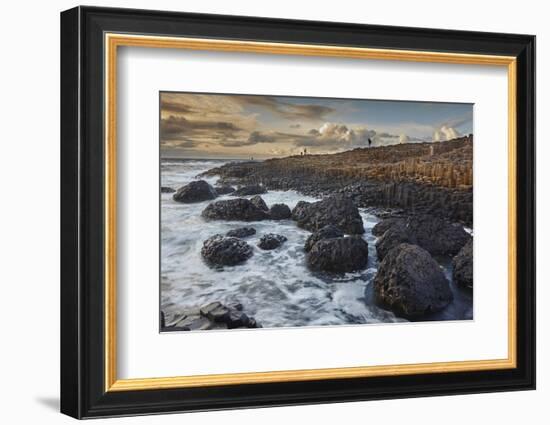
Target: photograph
{"x": 286, "y": 211}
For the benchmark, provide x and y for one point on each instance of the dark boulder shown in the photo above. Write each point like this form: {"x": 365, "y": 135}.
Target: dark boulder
{"x": 241, "y": 232}
{"x": 225, "y": 251}
{"x": 299, "y": 211}
{"x": 380, "y": 228}
{"x": 336, "y": 210}
{"x": 327, "y": 232}
{"x": 339, "y": 255}
{"x": 279, "y": 212}
{"x": 411, "y": 283}
{"x": 234, "y": 209}
{"x": 463, "y": 267}
{"x": 250, "y": 190}
{"x": 224, "y": 190}
{"x": 165, "y": 189}
{"x": 214, "y": 315}
{"x": 197, "y": 191}
{"x": 436, "y": 235}
{"x": 259, "y": 202}
{"x": 271, "y": 241}
{"x": 395, "y": 235}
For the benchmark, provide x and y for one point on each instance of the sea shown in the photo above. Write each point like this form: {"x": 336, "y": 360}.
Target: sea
{"x": 275, "y": 287}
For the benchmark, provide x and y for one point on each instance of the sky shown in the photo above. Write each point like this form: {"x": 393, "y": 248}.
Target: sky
{"x": 194, "y": 125}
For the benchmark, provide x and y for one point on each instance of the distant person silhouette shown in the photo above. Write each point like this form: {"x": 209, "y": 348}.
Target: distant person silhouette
{"x": 370, "y": 142}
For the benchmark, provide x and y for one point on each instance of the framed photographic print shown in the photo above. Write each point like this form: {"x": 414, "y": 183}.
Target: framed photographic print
{"x": 261, "y": 212}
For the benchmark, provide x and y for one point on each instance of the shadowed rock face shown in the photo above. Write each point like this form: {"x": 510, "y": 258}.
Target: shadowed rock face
{"x": 463, "y": 270}
{"x": 335, "y": 210}
{"x": 339, "y": 255}
{"x": 327, "y": 232}
{"x": 234, "y": 209}
{"x": 225, "y": 251}
{"x": 198, "y": 191}
{"x": 410, "y": 282}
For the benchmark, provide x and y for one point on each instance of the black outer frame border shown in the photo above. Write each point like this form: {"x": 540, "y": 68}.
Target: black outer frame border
{"x": 82, "y": 220}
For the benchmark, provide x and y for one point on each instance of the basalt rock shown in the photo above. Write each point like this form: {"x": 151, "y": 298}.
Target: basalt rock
{"x": 165, "y": 189}
{"x": 225, "y": 251}
{"x": 336, "y": 210}
{"x": 393, "y": 236}
{"x": 339, "y": 255}
{"x": 224, "y": 190}
{"x": 234, "y": 209}
{"x": 259, "y": 202}
{"x": 380, "y": 228}
{"x": 436, "y": 235}
{"x": 327, "y": 232}
{"x": 196, "y": 191}
{"x": 411, "y": 283}
{"x": 463, "y": 270}
{"x": 250, "y": 190}
{"x": 214, "y": 315}
{"x": 300, "y": 210}
{"x": 279, "y": 212}
{"x": 241, "y": 232}
{"x": 271, "y": 241}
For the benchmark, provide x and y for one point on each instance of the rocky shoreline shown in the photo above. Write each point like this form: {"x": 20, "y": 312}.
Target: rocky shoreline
{"x": 409, "y": 281}
{"x": 428, "y": 178}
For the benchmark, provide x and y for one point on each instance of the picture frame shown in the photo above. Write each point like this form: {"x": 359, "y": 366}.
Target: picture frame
{"x": 90, "y": 40}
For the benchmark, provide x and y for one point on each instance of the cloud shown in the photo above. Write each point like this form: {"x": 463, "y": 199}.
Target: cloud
{"x": 445, "y": 133}
{"x": 172, "y": 106}
{"x": 295, "y": 125}
{"x": 287, "y": 110}
{"x": 179, "y": 128}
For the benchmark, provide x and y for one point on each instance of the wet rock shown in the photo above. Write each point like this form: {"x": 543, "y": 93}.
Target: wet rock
{"x": 463, "y": 270}
{"x": 337, "y": 210}
{"x": 165, "y": 189}
{"x": 259, "y": 202}
{"x": 436, "y": 235}
{"x": 214, "y": 315}
{"x": 162, "y": 320}
{"x": 196, "y": 191}
{"x": 279, "y": 212}
{"x": 299, "y": 211}
{"x": 225, "y": 251}
{"x": 380, "y": 228}
{"x": 327, "y": 232}
{"x": 339, "y": 255}
{"x": 393, "y": 236}
{"x": 241, "y": 232}
{"x": 271, "y": 241}
{"x": 234, "y": 209}
{"x": 411, "y": 283}
{"x": 215, "y": 311}
{"x": 250, "y": 190}
{"x": 224, "y": 190}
